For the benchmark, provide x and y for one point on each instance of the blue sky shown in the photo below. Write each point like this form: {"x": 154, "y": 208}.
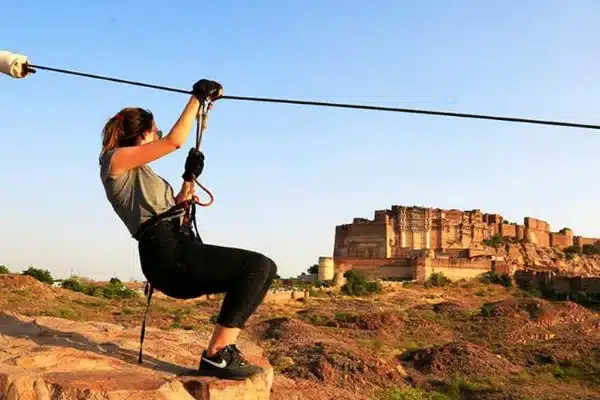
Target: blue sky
{"x": 284, "y": 176}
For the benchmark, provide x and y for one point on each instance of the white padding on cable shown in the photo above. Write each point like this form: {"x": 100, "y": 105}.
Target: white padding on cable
{"x": 13, "y": 64}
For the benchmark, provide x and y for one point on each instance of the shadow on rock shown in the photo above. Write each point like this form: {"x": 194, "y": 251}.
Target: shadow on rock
{"x": 46, "y": 336}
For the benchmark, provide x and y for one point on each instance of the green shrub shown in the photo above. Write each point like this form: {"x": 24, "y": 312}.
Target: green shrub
{"x": 42, "y": 275}
{"x": 492, "y": 277}
{"x": 114, "y": 290}
{"x": 495, "y": 242}
{"x": 437, "y": 279}
{"x": 4, "y": 270}
{"x": 358, "y": 285}
{"x": 506, "y": 281}
{"x": 409, "y": 393}
{"x": 75, "y": 284}
{"x": 316, "y": 293}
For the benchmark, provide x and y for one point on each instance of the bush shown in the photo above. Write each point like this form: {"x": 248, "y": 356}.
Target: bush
{"x": 75, "y": 284}
{"x": 437, "y": 279}
{"x": 114, "y": 290}
{"x": 317, "y": 293}
{"x": 42, "y": 275}
{"x": 4, "y": 270}
{"x": 358, "y": 285}
{"x": 492, "y": 277}
{"x": 572, "y": 250}
{"x": 408, "y": 393}
{"x": 506, "y": 281}
{"x": 495, "y": 241}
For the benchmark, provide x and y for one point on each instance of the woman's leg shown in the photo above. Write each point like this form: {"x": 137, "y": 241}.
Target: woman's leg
{"x": 245, "y": 277}
{"x": 224, "y": 335}
{"x": 183, "y": 267}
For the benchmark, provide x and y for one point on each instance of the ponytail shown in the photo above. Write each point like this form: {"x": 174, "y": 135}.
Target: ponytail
{"x": 125, "y": 127}
{"x": 111, "y": 134}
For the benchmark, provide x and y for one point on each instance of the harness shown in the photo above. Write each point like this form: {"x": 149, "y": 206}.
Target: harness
{"x": 187, "y": 208}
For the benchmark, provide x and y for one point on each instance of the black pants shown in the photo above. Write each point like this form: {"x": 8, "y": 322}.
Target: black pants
{"x": 182, "y": 266}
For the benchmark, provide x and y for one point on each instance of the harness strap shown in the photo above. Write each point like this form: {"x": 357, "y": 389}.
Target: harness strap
{"x": 148, "y": 290}
{"x": 174, "y": 211}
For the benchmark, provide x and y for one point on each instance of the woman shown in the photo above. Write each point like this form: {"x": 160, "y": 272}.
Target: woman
{"x": 173, "y": 260}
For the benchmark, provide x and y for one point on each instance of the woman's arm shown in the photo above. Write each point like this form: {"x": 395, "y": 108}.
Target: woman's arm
{"x": 126, "y": 158}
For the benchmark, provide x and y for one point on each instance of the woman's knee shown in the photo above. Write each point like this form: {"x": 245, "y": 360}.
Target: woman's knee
{"x": 265, "y": 266}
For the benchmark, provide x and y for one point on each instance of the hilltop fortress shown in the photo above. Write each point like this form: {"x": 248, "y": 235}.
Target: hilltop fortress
{"x": 412, "y": 242}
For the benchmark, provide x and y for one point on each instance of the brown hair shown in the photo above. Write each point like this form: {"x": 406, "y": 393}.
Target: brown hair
{"x": 125, "y": 127}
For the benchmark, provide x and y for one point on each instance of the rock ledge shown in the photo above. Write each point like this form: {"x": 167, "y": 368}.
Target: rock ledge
{"x": 48, "y": 358}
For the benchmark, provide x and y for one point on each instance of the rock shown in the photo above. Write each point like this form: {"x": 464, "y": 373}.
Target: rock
{"x": 51, "y": 358}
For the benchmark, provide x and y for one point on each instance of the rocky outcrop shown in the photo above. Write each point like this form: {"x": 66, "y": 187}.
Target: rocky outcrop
{"x": 531, "y": 256}
{"x": 47, "y": 358}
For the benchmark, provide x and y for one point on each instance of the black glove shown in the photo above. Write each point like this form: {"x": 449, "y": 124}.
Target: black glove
{"x": 194, "y": 164}
{"x": 206, "y": 89}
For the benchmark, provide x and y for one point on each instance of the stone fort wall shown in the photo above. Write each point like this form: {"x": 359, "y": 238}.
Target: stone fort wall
{"x": 560, "y": 284}
{"x": 418, "y": 266}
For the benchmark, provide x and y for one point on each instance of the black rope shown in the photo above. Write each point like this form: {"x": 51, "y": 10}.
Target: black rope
{"x": 328, "y": 104}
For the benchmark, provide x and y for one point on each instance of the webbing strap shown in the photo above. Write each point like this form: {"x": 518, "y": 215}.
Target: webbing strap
{"x": 171, "y": 212}
{"x": 148, "y": 289}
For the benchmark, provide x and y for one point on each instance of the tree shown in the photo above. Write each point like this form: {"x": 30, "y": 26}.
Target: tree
{"x": 4, "y": 270}
{"x": 495, "y": 242}
{"x": 42, "y": 275}
{"x": 314, "y": 269}
{"x": 358, "y": 285}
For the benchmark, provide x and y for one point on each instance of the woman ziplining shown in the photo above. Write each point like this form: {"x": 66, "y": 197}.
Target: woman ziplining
{"x": 173, "y": 259}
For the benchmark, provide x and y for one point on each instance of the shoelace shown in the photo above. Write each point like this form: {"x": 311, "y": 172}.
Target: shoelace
{"x": 236, "y": 357}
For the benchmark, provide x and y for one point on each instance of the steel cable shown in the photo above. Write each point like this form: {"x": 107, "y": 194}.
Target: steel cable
{"x": 327, "y": 104}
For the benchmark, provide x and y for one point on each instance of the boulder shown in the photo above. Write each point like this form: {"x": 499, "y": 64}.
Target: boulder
{"x": 47, "y": 358}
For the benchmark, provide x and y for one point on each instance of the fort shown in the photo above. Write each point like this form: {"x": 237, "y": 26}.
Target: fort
{"x": 413, "y": 242}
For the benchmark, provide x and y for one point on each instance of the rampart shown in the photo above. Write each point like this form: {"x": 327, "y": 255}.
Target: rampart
{"x": 582, "y": 241}
{"x": 456, "y": 269}
{"x": 551, "y": 284}
{"x": 419, "y": 266}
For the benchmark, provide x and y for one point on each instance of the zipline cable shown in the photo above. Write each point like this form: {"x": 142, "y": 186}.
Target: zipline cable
{"x": 327, "y": 104}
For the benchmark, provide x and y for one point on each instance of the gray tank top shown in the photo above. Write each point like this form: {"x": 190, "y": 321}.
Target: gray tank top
{"x": 136, "y": 195}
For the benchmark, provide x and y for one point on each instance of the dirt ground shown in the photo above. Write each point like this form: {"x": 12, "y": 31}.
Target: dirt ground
{"x": 464, "y": 341}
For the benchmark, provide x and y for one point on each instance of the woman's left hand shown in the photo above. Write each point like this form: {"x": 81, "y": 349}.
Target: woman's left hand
{"x": 182, "y": 197}
{"x": 186, "y": 193}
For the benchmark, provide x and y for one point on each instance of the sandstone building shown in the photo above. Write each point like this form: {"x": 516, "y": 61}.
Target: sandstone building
{"x": 408, "y": 242}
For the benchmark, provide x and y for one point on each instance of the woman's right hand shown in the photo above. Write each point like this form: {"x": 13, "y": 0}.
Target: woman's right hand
{"x": 206, "y": 89}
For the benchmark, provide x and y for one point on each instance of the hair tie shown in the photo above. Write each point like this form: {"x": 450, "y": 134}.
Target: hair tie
{"x": 119, "y": 117}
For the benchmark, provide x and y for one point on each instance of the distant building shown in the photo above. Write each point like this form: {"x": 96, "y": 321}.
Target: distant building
{"x": 412, "y": 242}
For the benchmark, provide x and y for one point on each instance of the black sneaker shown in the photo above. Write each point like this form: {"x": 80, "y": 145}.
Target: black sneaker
{"x": 228, "y": 363}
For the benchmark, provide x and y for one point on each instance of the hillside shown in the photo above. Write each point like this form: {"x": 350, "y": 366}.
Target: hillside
{"x": 465, "y": 340}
